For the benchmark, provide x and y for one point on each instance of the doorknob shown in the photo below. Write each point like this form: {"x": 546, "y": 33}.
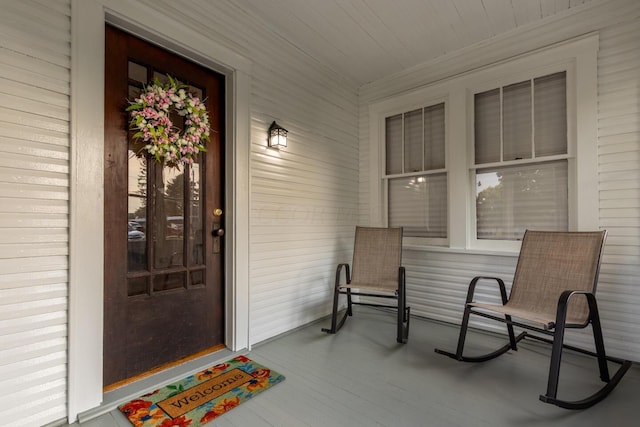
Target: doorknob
{"x": 217, "y": 232}
{"x": 217, "y": 212}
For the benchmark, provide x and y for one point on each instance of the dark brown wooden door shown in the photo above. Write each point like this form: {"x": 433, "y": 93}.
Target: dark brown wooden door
{"x": 163, "y": 265}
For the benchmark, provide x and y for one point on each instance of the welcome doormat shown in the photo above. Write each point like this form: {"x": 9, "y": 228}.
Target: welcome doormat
{"x": 201, "y": 397}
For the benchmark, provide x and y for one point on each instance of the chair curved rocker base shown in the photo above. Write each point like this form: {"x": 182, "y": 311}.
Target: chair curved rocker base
{"x": 339, "y": 324}
{"x": 594, "y": 398}
{"x": 403, "y": 323}
{"x": 483, "y": 358}
{"x": 403, "y": 312}
{"x": 553, "y": 400}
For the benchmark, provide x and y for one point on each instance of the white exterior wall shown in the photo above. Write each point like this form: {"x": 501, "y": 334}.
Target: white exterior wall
{"x": 34, "y": 197}
{"x": 303, "y": 200}
{"x": 438, "y": 278}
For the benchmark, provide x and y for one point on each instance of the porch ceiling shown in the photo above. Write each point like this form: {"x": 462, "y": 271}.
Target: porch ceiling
{"x": 365, "y": 40}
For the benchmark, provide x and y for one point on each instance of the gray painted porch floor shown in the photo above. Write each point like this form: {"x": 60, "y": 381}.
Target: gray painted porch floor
{"x": 361, "y": 377}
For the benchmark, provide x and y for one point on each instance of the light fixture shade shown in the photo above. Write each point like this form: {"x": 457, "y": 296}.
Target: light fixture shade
{"x": 277, "y": 136}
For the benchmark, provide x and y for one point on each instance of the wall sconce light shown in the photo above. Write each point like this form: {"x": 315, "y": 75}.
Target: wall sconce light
{"x": 277, "y": 136}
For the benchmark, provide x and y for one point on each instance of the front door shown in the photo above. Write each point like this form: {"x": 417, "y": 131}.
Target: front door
{"x": 163, "y": 225}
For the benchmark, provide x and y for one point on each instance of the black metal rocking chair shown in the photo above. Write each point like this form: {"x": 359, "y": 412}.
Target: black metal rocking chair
{"x": 377, "y": 273}
{"x": 553, "y": 290}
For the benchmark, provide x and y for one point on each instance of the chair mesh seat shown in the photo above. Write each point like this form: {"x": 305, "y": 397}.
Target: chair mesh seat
{"x": 542, "y": 320}
{"x": 375, "y": 287}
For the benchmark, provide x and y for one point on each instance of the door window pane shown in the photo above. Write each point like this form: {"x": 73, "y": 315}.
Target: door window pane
{"x": 137, "y": 213}
{"x": 166, "y": 282}
{"x": 169, "y": 208}
{"x": 137, "y": 286}
{"x": 197, "y": 278}
{"x": 137, "y": 73}
{"x": 196, "y": 229}
{"x": 165, "y": 233}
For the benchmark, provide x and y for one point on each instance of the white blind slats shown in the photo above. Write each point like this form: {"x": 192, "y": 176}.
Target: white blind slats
{"x": 419, "y": 205}
{"x": 434, "y": 137}
{"x": 517, "y": 121}
{"x": 533, "y": 197}
{"x": 393, "y": 138}
{"x": 550, "y": 106}
{"x": 415, "y": 142}
{"x": 487, "y": 126}
{"x": 521, "y": 121}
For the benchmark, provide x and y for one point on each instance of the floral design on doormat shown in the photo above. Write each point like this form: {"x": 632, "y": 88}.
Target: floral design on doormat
{"x": 253, "y": 378}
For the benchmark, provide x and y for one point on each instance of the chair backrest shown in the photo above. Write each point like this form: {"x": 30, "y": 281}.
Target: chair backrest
{"x": 551, "y": 262}
{"x": 377, "y": 256}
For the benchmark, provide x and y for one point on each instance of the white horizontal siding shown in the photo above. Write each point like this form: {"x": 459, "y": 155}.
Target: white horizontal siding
{"x": 619, "y": 183}
{"x": 34, "y": 197}
{"x": 437, "y": 280}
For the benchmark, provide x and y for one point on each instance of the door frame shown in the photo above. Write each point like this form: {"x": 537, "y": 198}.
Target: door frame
{"x": 86, "y": 208}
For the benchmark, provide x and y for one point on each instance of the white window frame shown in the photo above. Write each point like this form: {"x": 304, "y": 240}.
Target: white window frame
{"x": 381, "y": 112}
{"x": 578, "y": 57}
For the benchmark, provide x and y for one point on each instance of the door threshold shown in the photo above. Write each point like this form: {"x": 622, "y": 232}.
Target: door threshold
{"x": 111, "y": 399}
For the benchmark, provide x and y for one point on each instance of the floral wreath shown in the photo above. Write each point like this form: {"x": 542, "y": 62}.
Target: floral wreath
{"x": 150, "y": 118}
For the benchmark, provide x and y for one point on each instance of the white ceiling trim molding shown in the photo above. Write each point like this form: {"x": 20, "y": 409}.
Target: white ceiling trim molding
{"x": 526, "y": 38}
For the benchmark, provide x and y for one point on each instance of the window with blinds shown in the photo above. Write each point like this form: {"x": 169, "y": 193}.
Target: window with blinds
{"x": 521, "y": 158}
{"x": 416, "y": 171}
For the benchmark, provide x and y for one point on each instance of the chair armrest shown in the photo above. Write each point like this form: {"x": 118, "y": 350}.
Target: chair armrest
{"x": 474, "y": 281}
{"x": 563, "y": 305}
{"x": 401, "y": 275}
{"x": 347, "y": 273}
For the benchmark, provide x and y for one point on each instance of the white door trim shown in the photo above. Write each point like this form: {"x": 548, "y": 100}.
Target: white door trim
{"x": 86, "y": 169}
